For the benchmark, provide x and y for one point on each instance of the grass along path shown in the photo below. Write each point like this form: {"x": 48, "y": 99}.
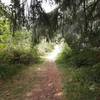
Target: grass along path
{"x": 15, "y": 88}
{"x": 38, "y": 82}
{"x": 80, "y": 83}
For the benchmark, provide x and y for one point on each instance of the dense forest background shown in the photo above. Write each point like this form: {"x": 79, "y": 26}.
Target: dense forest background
{"x": 76, "y": 23}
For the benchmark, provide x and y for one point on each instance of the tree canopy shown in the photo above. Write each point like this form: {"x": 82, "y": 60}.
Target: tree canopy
{"x": 77, "y": 21}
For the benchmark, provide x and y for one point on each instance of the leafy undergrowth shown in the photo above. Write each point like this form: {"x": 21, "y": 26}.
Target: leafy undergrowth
{"x": 81, "y": 75}
{"x": 16, "y": 88}
{"x": 13, "y": 61}
{"x": 7, "y": 71}
{"x": 81, "y": 83}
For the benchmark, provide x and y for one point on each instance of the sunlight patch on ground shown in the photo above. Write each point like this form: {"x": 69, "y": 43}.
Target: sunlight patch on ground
{"x": 53, "y": 55}
{"x": 38, "y": 68}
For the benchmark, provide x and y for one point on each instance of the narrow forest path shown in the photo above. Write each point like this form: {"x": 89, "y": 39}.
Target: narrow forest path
{"x": 35, "y": 82}
{"x": 48, "y": 86}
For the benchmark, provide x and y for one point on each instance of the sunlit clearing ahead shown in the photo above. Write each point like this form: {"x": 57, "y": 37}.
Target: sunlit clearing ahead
{"x": 53, "y": 55}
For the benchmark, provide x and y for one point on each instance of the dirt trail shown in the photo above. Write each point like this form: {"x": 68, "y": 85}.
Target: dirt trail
{"x": 48, "y": 86}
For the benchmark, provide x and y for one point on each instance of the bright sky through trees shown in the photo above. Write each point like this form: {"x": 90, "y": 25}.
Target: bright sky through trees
{"x": 52, "y": 56}
{"x": 46, "y": 6}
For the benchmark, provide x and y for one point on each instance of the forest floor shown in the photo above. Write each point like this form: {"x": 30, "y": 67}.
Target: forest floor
{"x": 38, "y": 82}
{"x": 48, "y": 86}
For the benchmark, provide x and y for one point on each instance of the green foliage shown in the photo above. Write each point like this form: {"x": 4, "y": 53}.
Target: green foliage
{"x": 15, "y": 52}
{"x": 6, "y": 70}
{"x": 65, "y": 55}
{"x": 11, "y": 62}
{"x": 81, "y": 74}
{"x": 17, "y": 56}
{"x": 85, "y": 57}
{"x": 80, "y": 23}
{"x": 4, "y": 26}
{"x": 45, "y": 47}
{"x": 95, "y": 73}
{"x": 2, "y": 46}
{"x": 21, "y": 41}
{"x": 88, "y": 57}
{"x": 80, "y": 83}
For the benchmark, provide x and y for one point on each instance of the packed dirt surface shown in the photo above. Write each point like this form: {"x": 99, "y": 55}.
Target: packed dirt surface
{"x": 48, "y": 86}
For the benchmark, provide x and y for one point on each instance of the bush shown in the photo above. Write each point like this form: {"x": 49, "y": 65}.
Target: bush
{"x": 95, "y": 72}
{"x": 65, "y": 55}
{"x": 15, "y": 56}
{"x": 86, "y": 57}
{"x": 12, "y": 61}
{"x": 81, "y": 74}
{"x": 6, "y": 71}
